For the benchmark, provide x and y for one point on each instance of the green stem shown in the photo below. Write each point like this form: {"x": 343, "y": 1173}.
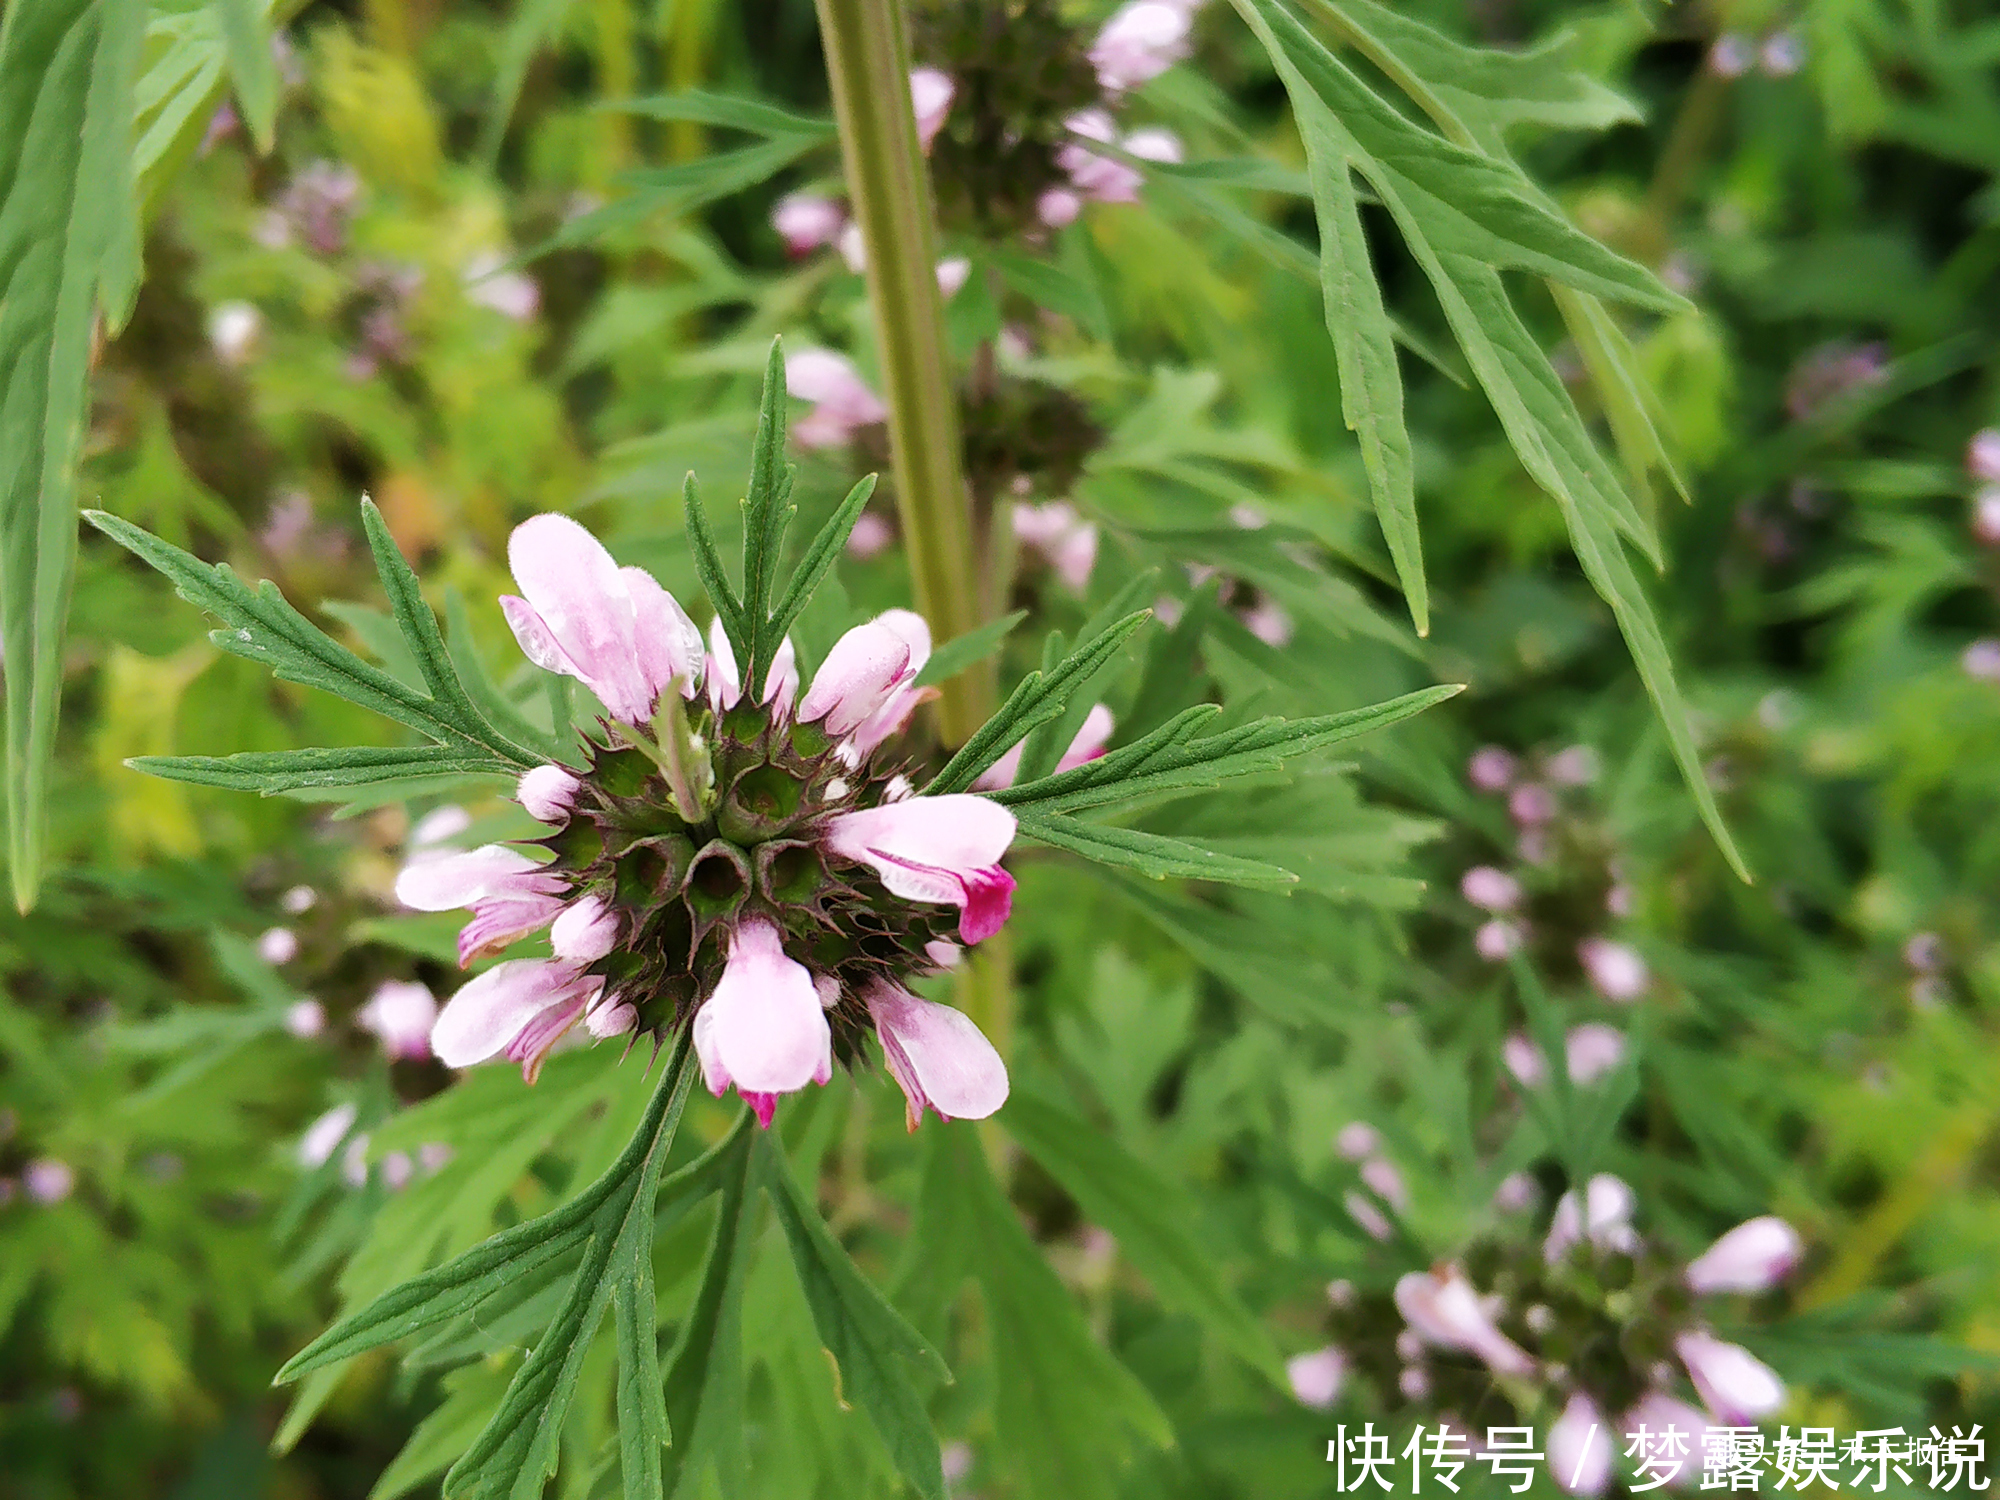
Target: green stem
{"x": 867, "y": 64}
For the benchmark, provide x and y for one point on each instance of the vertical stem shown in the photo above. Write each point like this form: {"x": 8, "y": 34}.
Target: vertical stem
{"x": 867, "y": 63}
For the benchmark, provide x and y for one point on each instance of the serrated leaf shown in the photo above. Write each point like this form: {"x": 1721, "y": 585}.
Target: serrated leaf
{"x": 1175, "y": 758}
{"x": 1036, "y": 699}
{"x": 66, "y": 69}
{"x": 1066, "y": 1408}
{"x": 264, "y": 628}
{"x": 1150, "y": 854}
{"x": 516, "y": 1451}
{"x": 867, "y": 1338}
{"x": 272, "y": 772}
{"x": 1149, "y": 1216}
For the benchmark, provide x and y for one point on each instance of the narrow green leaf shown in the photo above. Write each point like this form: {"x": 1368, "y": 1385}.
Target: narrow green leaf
{"x": 642, "y": 1409}
{"x": 730, "y": 111}
{"x": 867, "y": 1338}
{"x": 66, "y": 70}
{"x": 820, "y": 557}
{"x": 708, "y": 563}
{"x": 1050, "y": 286}
{"x": 498, "y": 709}
{"x": 1364, "y": 344}
{"x": 962, "y": 651}
{"x": 767, "y": 511}
{"x": 252, "y": 69}
{"x": 517, "y": 1450}
{"x": 1172, "y": 760}
{"x": 421, "y": 635}
{"x": 1037, "y": 698}
{"x": 264, "y": 628}
{"x": 534, "y": 22}
{"x": 272, "y": 772}
{"x": 1151, "y": 854}
{"x": 705, "y": 1375}
{"x": 1149, "y": 1216}
{"x": 1621, "y": 388}
{"x": 460, "y": 1283}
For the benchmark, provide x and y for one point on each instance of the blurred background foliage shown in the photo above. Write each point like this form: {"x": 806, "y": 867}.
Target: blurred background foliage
{"x": 475, "y": 273}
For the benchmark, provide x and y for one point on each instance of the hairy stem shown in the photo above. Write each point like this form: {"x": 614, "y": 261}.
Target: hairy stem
{"x": 867, "y": 64}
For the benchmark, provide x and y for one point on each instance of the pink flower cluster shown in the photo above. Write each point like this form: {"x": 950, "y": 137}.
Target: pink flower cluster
{"x": 763, "y": 1027}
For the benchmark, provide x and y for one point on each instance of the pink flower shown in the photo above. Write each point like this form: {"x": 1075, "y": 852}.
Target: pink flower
{"x": 904, "y": 700}
{"x": 1270, "y": 622}
{"x": 1490, "y": 889}
{"x": 233, "y": 328}
{"x": 1058, "y": 207}
{"x": 1986, "y": 515}
{"x": 842, "y": 403}
{"x": 1753, "y": 1257}
{"x": 1444, "y": 1309}
{"x": 1982, "y": 455}
{"x": 863, "y": 670}
{"x": 941, "y": 1059}
{"x": 952, "y": 272}
{"x": 1531, "y": 803}
{"x": 512, "y": 294}
{"x": 1605, "y": 1217}
{"x": 316, "y": 1146}
{"x": 547, "y": 793}
{"x": 1735, "y": 1385}
{"x": 1615, "y": 970}
{"x": 1491, "y": 769}
{"x": 870, "y": 537}
{"x": 1515, "y": 1192}
{"x": 1063, "y": 538}
{"x": 1386, "y": 1182}
{"x": 1363, "y": 1211}
{"x": 1524, "y": 1060}
{"x": 1317, "y": 1377}
{"x": 806, "y": 221}
{"x": 1496, "y": 939}
{"x": 1580, "y": 1448}
{"x": 1576, "y": 766}
{"x": 613, "y": 629}
{"x": 931, "y": 93}
{"x": 1981, "y": 660}
{"x": 1087, "y": 745}
{"x": 762, "y": 1030}
{"x": 48, "y": 1181}
{"x": 1592, "y": 1051}
{"x": 520, "y": 1008}
{"x": 1357, "y": 1140}
{"x": 1141, "y": 41}
{"x": 400, "y": 1014}
{"x": 1101, "y": 179}
{"x": 586, "y": 930}
{"x": 937, "y": 849}
{"x": 610, "y": 1017}
{"x": 509, "y": 894}
{"x": 280, "y": 945}
{"x": 439, "y": 826}
{"x": 305, "y": 1019}
{"x": 1731, "y": 55}
{"x": 299, "y": 900}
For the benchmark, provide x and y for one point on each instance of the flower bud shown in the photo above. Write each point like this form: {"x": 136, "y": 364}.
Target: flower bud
{"x": 586, "y": 930}
{"x": 1615, "y": 970}
{"x": 1753, "y": 1257}
{"x": 548, "y": 793}
{"x": 1736, "y": 1386}
{"x": 1442, "y": 1306}
{"x": 1982, "y": 455}
{"x": 1491, "y": 769}
{"x": 1490, "y": 889}
{"x": 1317, "y": 1377}
{"x": 317, "y": 1145}
{"x": 1580, "y": 1448}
